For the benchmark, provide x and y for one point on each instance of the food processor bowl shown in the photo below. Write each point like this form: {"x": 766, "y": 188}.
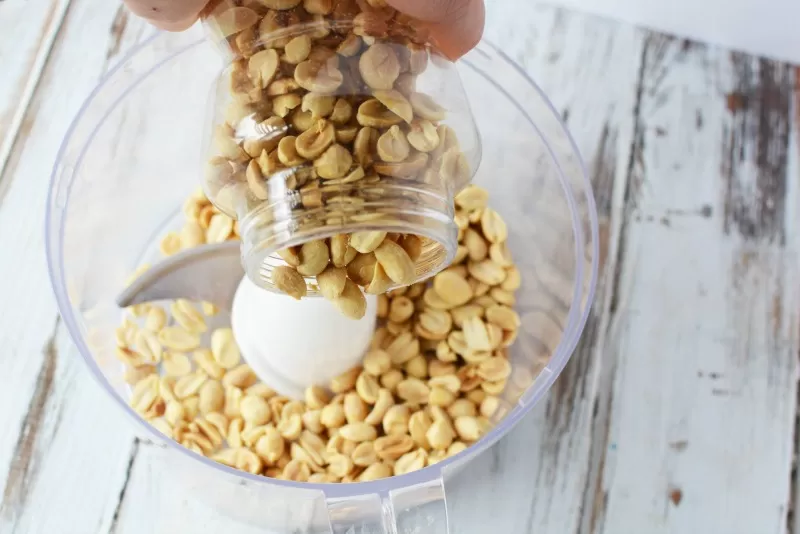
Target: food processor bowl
{"x": 142, "y": 130}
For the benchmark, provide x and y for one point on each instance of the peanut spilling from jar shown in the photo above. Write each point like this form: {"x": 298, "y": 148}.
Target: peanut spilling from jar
{"x": 325, "y": 140}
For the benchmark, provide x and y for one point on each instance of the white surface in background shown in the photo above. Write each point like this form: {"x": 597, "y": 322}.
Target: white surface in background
{"x": 760, "y": 27}
{"x": 309, "y": 341}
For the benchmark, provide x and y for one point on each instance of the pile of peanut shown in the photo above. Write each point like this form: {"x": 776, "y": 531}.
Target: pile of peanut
{"x": 324, "y": 117}
{"x": 429, "y": 386}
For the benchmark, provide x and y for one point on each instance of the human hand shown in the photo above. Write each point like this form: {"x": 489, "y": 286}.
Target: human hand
{"x": 456, "y": 25}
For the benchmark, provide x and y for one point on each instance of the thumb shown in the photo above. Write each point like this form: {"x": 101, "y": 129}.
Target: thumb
{"x": 456, "y": 25}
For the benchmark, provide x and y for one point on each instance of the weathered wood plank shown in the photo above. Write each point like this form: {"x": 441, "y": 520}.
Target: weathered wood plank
{"x": 68, "y": 475}
{"x": 29, "y": 29}
{"x": 65, "y": 450}
{"x": 705, "y": 337}
{"x": 793, "y": 217}
{"x": 157, "y": 502}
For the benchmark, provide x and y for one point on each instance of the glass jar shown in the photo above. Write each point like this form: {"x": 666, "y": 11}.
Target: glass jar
{"x": 336, "y": 121}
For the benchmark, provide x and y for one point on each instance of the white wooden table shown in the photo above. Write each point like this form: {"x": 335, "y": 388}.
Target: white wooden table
{"x": 677, "y": 413}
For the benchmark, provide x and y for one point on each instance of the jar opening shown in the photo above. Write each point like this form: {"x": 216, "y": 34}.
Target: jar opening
{"x": 393, "y": 207}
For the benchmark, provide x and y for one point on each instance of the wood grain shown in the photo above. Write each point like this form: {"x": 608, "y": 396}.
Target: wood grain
{"x": 77, "y": 468}
{"x": 158, "y": 503}
{"x": 793, "y": 220}
{"x": 760, "y": 108}
{"x": 64, "y": 451}
{"x": 28, "y": 31}
{"x": 706, "y": 321}
{"x": 22, "y": 470}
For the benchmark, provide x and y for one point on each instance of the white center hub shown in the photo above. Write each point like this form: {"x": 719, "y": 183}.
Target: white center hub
{"x": 294, "y": 344}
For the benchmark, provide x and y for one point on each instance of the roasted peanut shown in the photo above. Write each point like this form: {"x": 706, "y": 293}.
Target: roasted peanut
{"x": 379, "y": 66}
{"x": 289, "y": 281}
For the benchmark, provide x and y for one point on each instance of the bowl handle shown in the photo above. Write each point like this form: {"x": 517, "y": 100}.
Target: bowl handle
{"x": 419, "y": 508}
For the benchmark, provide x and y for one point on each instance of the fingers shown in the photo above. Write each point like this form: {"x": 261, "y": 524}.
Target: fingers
{"x": 170, "y": 15}
{"x": 456, "y": 25}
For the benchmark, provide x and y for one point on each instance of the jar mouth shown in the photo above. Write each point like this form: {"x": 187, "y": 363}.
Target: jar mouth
{"x": 399, "y": 206}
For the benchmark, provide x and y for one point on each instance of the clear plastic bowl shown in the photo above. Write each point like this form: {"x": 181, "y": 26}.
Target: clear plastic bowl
{"x": 102, "y": 220}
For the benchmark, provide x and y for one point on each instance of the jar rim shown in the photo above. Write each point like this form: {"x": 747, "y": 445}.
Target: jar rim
{"x": 428, "y": 214}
